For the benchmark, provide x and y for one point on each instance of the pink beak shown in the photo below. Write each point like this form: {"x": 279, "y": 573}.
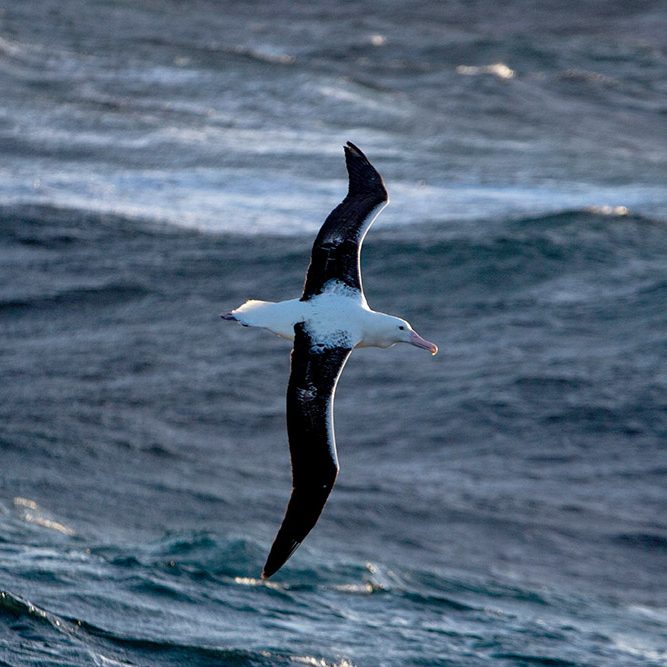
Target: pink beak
{"x": 418, "y": 341}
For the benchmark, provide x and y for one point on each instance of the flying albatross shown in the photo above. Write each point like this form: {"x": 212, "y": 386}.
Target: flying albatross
{"x": 330, "y": 319}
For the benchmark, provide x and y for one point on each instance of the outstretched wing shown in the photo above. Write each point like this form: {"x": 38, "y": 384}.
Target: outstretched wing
{"x": 336, "y": 250}
{"x": 310, "y": 397}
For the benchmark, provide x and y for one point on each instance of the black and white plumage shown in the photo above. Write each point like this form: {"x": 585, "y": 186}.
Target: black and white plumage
{"x": 337, "y": 248}
{"x": 330, "y": 319}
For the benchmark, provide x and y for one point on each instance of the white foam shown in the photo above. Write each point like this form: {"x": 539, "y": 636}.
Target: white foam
{"x": 249, "y": 201}
{"x": 499, "y": 70}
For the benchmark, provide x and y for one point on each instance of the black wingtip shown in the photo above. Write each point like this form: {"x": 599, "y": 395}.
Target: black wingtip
{"x": 281, "y": 552}
{"x": 364, "y": 178}
{"x": 303, "y": 509}
{"x": 355, "y": 154}
{"x": 349, "y": 146}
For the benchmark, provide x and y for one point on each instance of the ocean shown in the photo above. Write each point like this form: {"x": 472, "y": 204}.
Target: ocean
{"x": 503, "y": 503}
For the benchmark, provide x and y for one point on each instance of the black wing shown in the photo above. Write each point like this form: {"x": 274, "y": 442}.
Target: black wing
{"x": 310, "y": 397}
{"x": 336, "y": 249}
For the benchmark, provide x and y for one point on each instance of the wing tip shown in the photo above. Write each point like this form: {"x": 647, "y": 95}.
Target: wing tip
{"x": 363, "y": 177}
{"x": 352, "y": 148}
{"x": 352, "y": 151}
{"x": 280, "y": 553}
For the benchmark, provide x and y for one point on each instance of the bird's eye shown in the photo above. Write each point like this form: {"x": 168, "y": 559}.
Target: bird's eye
{"x": 401, "y": 328}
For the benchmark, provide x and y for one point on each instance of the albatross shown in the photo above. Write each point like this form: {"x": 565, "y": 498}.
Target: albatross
{"x": 331, "y": 318}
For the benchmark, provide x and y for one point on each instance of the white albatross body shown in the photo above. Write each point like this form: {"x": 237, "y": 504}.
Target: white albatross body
{"x": 337, "y": 317}
{"x": 330, "y": 319}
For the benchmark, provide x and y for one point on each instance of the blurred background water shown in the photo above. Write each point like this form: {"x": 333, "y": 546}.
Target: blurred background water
{"x": 503, "y": 503}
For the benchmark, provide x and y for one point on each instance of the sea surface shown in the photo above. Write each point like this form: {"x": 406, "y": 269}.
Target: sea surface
{"x": 504, "y": 503}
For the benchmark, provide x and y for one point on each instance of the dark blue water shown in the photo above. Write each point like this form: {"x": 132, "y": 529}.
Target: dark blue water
{"x": 503, "y": 503}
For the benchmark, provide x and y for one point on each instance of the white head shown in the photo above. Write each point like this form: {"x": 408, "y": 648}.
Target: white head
{"x": 386, "y": 330}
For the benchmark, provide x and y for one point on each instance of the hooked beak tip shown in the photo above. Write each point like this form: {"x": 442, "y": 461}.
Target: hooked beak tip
{"x": 418, "y": 341}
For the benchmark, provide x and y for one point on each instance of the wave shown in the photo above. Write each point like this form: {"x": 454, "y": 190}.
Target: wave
{"x": 52, "y": 226}
{"x": 62, "y": 636}
{"x": 649, "y": 541}
{"x": 528, "y": 659}
{"x": 100, "y": 296}
{"x": 548, "y": 258}
{"x": 33, "y": 223}
{"x": 197, "y": 555}
{"x": 181, "y": 571}
{"x": 16, "y": 606}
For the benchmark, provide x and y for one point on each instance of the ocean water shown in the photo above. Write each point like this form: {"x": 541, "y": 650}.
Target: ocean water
{"x": 503, "y": 503}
